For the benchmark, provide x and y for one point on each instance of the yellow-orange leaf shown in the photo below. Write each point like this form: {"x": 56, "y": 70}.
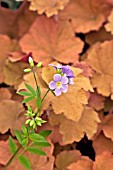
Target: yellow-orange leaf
{"x": 109, "y": 25}
{"x": 50, "y": 7}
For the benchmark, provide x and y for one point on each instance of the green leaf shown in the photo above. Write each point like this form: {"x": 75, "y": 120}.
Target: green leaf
{"x": 24, "y": 93}
{"x": 24, "y": 129}
{"x": 19, "y": 136}
{"x": 25, "y": 162}
{"x": 37, "y": 151}
{"x": 38, "y": 103}
{"x": 12, "y": 145}
{"x": 36, "y": 137}
{"x": 28, "y": 99}
{"x": 25, "y": 142}
{"x": 42, "y": 144}
{"x": 45, "y": 133}
{"x": 29, "y": 88}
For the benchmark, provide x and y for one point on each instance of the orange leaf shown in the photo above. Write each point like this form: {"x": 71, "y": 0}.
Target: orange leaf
{"x": 86, "y": 16}
{"x": 5, "y": 94}
{"x": 59, "y": 44}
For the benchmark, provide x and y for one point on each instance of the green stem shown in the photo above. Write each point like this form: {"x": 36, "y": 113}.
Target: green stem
{"x": 45, "y": 94}
{"x": 36, "y": 81}
{"x": 13, "y": 156}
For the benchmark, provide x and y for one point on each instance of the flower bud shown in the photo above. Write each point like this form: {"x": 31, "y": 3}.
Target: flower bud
{"x": 31, "y": 62}
{"x": 39, "y": 65}
{"x": 27, "y": 70}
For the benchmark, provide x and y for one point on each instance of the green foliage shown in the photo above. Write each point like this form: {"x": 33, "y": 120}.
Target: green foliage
{"x": 12, "y": 145}
{"x": 45, "y": 133}
{"x": 37, "y": 151}
{"x": 36, "y": 137}
{"x": 19, "y": 136}
{"x": 25, "y": 162}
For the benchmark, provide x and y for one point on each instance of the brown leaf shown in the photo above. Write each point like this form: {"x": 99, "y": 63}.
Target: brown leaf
{"x": 59, "y": 44}
{"x": 104, "y": 161}
{"x": 50, "y": 7}
{"x": 13, "y": 72}
{"x": 96, "y": 101}
{"x": 105, "y": 143}
{"x": 100, "y": 57}
{"x": 98, "y": 36}
{"x": 65, "y": 158}
{"x": 5, "y": 94}
{"x": 87, "y": 124}
{"x": 10, "y": 111}
{"x": 16, "y": 23}
{"x": 6, "y": 45}
{"x": 86, "y": 16}
{"x": 82, "y": 164}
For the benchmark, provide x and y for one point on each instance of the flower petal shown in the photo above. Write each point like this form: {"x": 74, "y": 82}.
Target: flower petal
{"x": 57, "y": 77}
{"x": 52, "y": 85}
{"x": 64, "y": 88}
{"x": 71, "y": 81}
{"x": 64, "y": 80}
{"x": 57, "y": 92}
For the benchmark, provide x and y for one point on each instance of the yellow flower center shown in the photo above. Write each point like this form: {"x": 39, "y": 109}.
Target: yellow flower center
{"x": 59, "y": 84}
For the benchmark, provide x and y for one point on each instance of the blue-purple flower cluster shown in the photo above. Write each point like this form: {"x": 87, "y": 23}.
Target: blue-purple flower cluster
{"x": 63, "y": 77}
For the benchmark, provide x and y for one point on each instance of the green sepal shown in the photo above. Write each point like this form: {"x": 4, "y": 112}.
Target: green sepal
{"x": 25, "y": 162}
{"x": 12, "y": 145}
{"x": 37, "y": 151}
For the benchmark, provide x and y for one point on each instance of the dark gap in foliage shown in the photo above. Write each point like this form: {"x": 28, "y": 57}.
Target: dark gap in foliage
{"x": 5, "y": 136}
{"x": 3, "y": 85}
{"x": 85, "y": 147}
{"x": 4, "y": 5}
{"x": 86, "y": 45}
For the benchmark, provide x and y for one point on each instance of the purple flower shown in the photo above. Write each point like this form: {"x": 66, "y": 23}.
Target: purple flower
{"x": 67, "y": 71}
{"x": 64, "y": 70}
{"x": 59, "y": 85}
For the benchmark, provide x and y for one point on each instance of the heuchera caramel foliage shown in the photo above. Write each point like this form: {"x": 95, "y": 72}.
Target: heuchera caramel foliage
{"x": 78, "y": 33}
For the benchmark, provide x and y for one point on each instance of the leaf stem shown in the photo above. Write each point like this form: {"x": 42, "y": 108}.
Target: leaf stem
{"x": 45, "y": 94}
{"x": 13, "y": 156}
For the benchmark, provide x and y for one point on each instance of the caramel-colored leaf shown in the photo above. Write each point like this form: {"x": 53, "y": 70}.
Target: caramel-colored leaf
{"x": 5, "y": 94}
{"x": 82, "y": 164}
{"x": 101, "y": 60}
{"x": 86, "y": 125}
{"x": 9, "y": 114}
{"x": 59, "y": 44}
{"x": 65, "y": 158}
